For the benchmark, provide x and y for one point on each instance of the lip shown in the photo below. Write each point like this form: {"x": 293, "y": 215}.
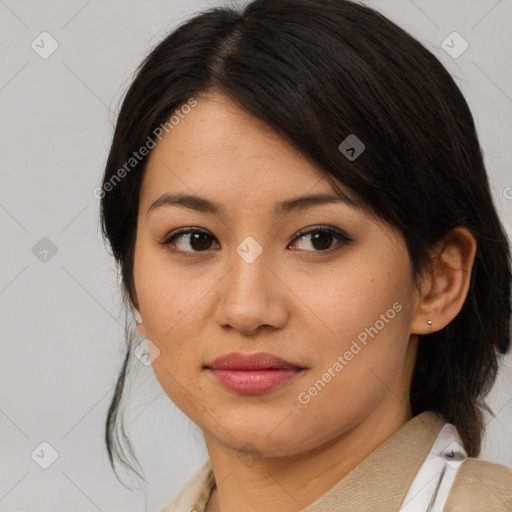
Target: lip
{"x": 253, "y": 374}
{"x": 256, "y": 361}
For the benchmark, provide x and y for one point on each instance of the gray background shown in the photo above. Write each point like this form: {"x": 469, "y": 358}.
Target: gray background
{"x": 62, "y": 326}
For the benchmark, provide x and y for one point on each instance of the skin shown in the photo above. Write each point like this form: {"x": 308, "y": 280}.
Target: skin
{"x": 296, "y": 300}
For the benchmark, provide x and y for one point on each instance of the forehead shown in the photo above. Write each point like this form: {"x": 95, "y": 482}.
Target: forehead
{"x": 218, "y": 147}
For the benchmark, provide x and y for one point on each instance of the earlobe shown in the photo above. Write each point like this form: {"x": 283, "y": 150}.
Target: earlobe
{"x": 447, "y": 286}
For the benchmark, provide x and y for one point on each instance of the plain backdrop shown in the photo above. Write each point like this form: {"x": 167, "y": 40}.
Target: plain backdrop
{"x": 61, "y": 322}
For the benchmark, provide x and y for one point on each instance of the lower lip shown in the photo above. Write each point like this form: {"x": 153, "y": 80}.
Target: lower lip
{"x": 254, "y": 382}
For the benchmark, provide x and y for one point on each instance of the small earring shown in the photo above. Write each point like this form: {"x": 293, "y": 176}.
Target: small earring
{"x": 429, "y": 322}
{"x": 138, "y": 318}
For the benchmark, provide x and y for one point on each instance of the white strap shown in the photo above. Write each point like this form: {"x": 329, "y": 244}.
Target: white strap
{"x": 429, "y": 489}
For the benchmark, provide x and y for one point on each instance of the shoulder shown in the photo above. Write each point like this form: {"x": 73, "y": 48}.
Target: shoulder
{"x": 195, "y": 493}
{"x": 480, "y": 485}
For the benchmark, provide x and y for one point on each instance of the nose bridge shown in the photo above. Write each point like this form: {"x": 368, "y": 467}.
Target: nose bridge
{"x": 249, "y": 296}
{"x": 248, "y": 271}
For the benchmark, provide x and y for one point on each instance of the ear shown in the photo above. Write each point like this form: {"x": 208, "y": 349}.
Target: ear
{"x": 138, "y": 318}
{"x": 444, "y": 290}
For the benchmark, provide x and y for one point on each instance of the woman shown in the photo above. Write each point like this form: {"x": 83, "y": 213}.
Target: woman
{"x": 297, "y": 200}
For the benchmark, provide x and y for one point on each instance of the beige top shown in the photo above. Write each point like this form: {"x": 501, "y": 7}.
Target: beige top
{"x": 381, "y": 481}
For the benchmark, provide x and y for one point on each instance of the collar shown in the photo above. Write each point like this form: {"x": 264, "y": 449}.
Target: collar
{"x": 381, "y": 480}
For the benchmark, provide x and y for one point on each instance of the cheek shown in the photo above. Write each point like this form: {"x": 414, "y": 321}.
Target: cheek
{"x": 169, "y": 297}
{"x": 173, "y": 316}
{"x": 172, "y": 312}
{"x": 356, "y": 370}
{"x": 348, "y": 301}
{"x": 362, "y": 315}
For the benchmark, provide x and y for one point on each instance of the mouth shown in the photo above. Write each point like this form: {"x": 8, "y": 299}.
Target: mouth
{"x": 253, "y": 374}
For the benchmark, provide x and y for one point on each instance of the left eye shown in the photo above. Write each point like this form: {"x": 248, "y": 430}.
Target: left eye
{"x": 322, "y": 238}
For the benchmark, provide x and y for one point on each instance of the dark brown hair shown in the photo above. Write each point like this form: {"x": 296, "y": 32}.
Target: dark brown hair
{"x": 317, "y": 71}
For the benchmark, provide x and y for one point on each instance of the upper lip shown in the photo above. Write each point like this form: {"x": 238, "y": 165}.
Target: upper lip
{"x": 257, "y": 361}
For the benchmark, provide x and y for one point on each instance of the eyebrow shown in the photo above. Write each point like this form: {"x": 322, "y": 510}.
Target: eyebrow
{"x": 201, "y": 204}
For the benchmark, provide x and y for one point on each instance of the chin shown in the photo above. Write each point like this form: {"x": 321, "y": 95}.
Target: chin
{"x": 263, "y": 440}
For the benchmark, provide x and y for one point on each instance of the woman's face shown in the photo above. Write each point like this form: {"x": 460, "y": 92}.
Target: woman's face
{"x": 320, "y": 284}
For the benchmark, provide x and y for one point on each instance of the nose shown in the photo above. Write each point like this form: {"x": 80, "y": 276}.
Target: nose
{"x": 252, "y": 297}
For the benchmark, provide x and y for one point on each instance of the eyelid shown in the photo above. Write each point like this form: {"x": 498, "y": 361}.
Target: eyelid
{"x": 190, "y": 229}
{"x": 319, "y": 227}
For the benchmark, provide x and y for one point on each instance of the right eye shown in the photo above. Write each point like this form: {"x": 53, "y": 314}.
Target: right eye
{"x": 185, "y": 238}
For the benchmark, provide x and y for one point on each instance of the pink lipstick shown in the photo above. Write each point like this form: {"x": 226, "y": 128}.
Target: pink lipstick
{"x": 253, "y": 374}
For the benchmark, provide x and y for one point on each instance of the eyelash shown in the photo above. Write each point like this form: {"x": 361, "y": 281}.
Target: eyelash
{"x": 337, "y": 234}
